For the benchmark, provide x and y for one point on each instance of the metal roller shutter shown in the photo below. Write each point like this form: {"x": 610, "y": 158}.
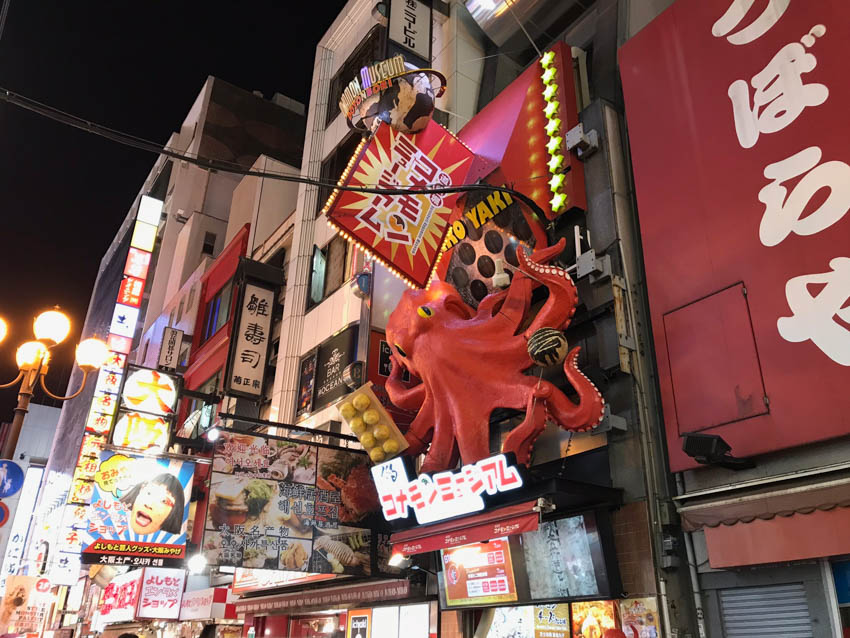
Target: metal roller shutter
{"x": 776, "y": 610}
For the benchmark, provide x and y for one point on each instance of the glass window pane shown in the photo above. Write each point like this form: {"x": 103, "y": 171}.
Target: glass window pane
{"x": 317, "y": 276}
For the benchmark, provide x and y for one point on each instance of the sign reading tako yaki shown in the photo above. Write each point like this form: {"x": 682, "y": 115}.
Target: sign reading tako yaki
{"x": 289, "y": 505}
{"x": 139, "y": 511}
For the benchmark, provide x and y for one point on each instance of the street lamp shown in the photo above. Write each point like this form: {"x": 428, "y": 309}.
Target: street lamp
{"x": 50, "y": 328}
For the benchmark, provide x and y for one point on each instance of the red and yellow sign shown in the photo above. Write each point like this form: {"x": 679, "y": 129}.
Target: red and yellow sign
{"x": 405, "y": 232}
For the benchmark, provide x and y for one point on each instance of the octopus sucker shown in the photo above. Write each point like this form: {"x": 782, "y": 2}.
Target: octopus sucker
{"x": 471, "y": 363}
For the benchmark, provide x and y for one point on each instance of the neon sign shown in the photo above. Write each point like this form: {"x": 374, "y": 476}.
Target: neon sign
{"x": 444, "y": 494}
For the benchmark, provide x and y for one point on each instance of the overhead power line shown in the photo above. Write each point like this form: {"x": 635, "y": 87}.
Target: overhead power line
{"x": 133, "y": 141}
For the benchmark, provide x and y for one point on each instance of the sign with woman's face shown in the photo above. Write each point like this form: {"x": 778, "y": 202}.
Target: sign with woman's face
{"x": 139, "y": 511}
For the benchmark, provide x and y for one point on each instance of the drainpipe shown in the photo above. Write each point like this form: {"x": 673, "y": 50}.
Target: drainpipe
{"x": 692, "y": 566}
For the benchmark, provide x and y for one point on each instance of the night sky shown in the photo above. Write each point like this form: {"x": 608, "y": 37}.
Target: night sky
{"x": 136, "y": 67}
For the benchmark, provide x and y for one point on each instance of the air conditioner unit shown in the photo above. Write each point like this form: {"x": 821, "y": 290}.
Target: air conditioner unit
{"x": 181, "y": 216}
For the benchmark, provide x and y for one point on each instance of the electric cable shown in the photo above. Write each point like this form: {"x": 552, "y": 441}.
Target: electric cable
{"x": 133, "y": 141}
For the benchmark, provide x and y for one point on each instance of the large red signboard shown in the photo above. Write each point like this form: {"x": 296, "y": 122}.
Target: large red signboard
{"x": 405, "y": 232}
{"x": 741, "y": 151}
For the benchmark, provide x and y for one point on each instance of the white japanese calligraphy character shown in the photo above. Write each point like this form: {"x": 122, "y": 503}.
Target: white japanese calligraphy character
{"x": 761, "y": 25}
{"x": 782, "y": 215}
{"x": 815, "y": 315}
{"x": 780, "y": 90}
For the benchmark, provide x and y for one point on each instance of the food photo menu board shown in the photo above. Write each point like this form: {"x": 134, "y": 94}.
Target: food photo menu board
{"x": 480, "y": 573}
{"x": 285, "y": 504}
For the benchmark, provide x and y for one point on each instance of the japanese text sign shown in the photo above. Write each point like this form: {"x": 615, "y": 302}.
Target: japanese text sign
{"x": 479, "y": 573}
{"x": 410, "y": 26}
{"x": 444, "y": 494}
{"x": 169, "y": 353}
{"x": 161, "y": 593}
{"x": 149, "y": 391}
{"x": 119, "y": 598}
{"x": 745, "y": 188}
{"x": 24, "y": 604}
{"x": 278, "y": 504}
{"x": 250, "y": 344}
{"x": 405, "y": 232}
{"x": 139, "y": 511}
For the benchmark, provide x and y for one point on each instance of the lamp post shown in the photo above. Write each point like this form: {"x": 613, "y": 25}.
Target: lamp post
{"x": 50, "y": 328}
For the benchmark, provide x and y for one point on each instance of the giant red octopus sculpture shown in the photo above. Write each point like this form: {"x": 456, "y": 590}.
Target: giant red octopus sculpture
{"x": 471, "y": 362}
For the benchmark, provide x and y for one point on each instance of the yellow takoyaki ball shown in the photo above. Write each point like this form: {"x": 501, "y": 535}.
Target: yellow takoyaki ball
{"x": 357, "y": 426}
{"x": 390, "y": 446}
{"x": 371, "y": 416}
{"x": 381, "y": 432}
{"x": 377, "y": 454}
{"x": 347, "y": 410}
{"x": 367, "y": 440}
{"x": 361, "y": 401}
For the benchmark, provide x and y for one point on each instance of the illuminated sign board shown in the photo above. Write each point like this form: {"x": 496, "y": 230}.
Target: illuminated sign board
{"x": 149, "y": 391}
{"x": 125, "y": 317}
{"x": 410, "y": 26}
{"x": 162, "y": 591}
{"x": 444, "y": 494}
{"x": 250, "y": 345}
{"x": 404, "y": 232}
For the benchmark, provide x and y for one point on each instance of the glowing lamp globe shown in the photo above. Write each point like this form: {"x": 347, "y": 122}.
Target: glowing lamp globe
{"x": 4, "y": 329}
{"x": 52, "y": 326}
{"x": 30, "y": 354}
{"x": 197, "y": 564}
{"x": 92, "y": 354}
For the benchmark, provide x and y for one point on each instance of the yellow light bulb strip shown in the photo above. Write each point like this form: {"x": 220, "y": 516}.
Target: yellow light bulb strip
{"x": 555, "y": 142}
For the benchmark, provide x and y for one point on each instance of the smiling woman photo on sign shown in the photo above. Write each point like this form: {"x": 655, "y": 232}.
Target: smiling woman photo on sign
{"x": 156, "y": 505}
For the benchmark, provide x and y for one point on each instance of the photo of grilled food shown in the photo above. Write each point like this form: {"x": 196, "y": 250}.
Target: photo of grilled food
{"x": 294, "y": 557}
{"x": 346, "y": 553}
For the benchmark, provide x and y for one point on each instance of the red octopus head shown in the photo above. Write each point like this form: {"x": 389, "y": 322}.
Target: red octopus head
{"x": 420, "y": 311}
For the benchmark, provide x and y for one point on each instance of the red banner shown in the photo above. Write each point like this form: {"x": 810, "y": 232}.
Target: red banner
{"x": 405, "y": 232}
{"x": 505, "y": 521}
{"x": 737, "y": 121}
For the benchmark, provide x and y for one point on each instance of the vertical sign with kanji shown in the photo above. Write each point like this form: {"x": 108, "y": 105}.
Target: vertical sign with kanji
{"x": 410, "y": 26}
{"x": 249, "y": 347}
{"x": 169, "y": 353}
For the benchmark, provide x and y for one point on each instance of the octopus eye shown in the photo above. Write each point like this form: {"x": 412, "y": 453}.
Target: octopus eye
{"x": 425, "y": 312}
{"x": 400, "y": 351}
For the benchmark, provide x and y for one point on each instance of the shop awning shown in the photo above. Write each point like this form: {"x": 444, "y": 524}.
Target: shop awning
{"x": 765, "y": 503}
{"x": 503, "y": 521}
{"x": 780, "y": 539}
{"x": 328, "y": 597}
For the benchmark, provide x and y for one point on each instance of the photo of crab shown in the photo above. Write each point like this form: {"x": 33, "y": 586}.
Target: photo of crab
{"x": 348, "y": 474}
{"x": 342, "y": 551}
{"x": 294, "y": 554}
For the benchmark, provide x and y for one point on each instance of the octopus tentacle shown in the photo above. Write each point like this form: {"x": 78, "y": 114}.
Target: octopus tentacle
{"x": 419, "y": 435}
{"x": 443, "y": 446}
{"x": 521, "y": 439}
{"x": 585, "y": 415}
{"x": 402, "y": 396}
{"x": 561, "y": 305}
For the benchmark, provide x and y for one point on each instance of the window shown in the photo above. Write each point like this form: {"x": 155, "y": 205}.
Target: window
{"x": 328, "y": 270}
{"x": 191, "y": 297}
{"x": 209, "y": 244}
{"x": 171, "y": 319}
{"x": 217, "y": 312}
{"x": 370, "y": 49}
{"x": 180, "y": 310}
{"x": 207, "y": 415}
{"x": 334, "y": 164}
